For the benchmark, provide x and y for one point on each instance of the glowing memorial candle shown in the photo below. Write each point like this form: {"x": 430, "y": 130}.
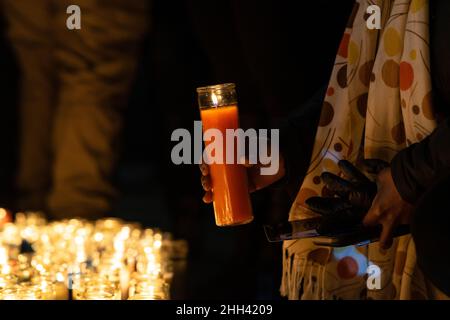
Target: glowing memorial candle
{"x": 231, "y": 200}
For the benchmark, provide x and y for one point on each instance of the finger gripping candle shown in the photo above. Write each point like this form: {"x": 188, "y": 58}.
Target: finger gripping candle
{"x": 231, "y": 199}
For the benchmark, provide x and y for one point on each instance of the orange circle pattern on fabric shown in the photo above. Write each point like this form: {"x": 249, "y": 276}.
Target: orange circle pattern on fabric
{"x": 347, "y": 268}
{"x": 406, "y": 75}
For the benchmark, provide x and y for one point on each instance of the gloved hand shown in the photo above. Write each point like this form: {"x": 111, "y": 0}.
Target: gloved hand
{"x": 352, "y": 197}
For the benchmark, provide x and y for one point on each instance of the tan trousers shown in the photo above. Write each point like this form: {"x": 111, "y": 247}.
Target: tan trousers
{"x": 73, "y": 86}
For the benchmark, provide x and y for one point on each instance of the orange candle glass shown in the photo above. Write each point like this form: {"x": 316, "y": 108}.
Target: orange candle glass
{"x": 231, "y": 199}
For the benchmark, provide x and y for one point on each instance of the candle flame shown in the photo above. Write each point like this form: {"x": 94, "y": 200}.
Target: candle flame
{"x": 214, "y": 99}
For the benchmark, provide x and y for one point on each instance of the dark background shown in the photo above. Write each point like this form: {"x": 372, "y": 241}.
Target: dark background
{"x": 277, "y": 52}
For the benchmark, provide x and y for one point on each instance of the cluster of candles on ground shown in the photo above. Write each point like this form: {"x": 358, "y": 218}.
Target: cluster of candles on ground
{"x": 82, "y": 260}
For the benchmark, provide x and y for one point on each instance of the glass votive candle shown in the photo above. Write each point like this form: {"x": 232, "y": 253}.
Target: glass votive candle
{"x": 116, "y": 273}
{"x": 100, "y": 289}
{"x": 149, "y": 289}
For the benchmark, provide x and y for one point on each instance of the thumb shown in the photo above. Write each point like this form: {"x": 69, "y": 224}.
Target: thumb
{"x": 373, "y": 215}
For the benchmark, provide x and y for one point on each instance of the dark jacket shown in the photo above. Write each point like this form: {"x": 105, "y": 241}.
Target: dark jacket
{"x": 415, "y": 168}
{"x": 421, "y": 172}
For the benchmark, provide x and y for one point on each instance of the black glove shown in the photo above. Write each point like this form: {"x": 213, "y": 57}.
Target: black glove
{"x": 352, "y": 197}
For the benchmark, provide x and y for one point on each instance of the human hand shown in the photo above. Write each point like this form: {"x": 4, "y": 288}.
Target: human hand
{"x": 256, "y": 180}
{"x": 388, "y": 208}
{"x": 350, "y": 198}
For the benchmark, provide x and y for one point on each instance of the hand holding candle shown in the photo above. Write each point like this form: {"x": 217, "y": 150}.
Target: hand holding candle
{"x": 228, "y": 184}
{"x": 256, "y": 181}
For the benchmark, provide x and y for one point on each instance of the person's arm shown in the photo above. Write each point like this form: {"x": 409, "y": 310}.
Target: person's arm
{"x": 415, "y": 168}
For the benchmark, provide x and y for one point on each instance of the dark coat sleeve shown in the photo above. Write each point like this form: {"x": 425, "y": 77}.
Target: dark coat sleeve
{"x": 415, "y": 168}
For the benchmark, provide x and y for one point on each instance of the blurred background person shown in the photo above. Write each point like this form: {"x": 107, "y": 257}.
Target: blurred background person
{"x": 73, "y": 87}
